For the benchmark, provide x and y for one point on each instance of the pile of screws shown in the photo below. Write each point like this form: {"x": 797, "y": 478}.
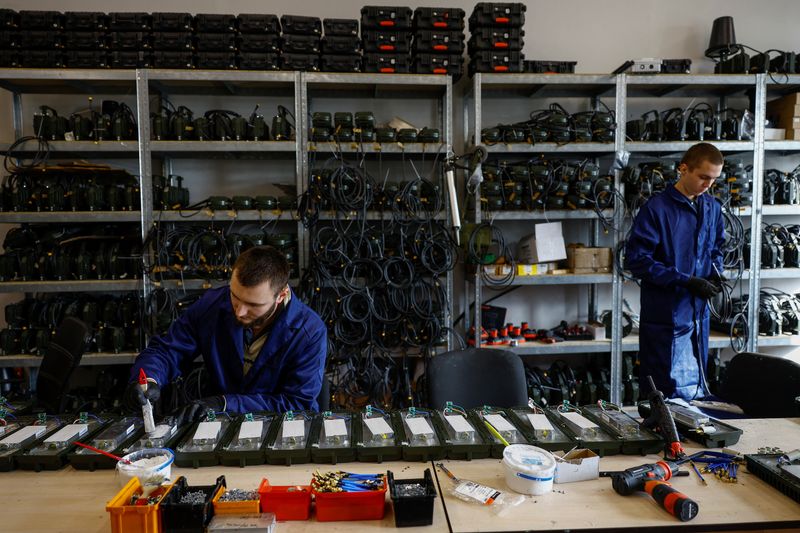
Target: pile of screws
{"x": 196, "y": 497}
{"x": 152, "y": 499}
{"x": 771, "y": 450}
{"x": 238, "y": 495}
{"x": 346, "y": 482}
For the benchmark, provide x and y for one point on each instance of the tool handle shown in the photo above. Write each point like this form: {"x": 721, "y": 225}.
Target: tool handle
{"x": 674, "y": 502}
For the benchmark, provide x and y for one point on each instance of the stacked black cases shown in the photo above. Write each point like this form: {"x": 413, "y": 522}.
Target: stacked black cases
{"x": 37, "y": 41}
{"x": 496, "y": 40}
{"x": 341, "y": 46}
{"x": 9, "y": 38}
{"x": 215, "y": 41}
{"x": 386, "y": 37}
{"x": 259, "y": 42}
{"x": 85, "y": 39}
{"x": 172, "y": 43}
{"x": 301, "y": 43}
{"x": 130, "y": 40}
{"x": 438, "y": 41}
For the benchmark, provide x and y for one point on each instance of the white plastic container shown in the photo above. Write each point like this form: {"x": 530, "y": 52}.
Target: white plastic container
{"x": 153, "y": 466}
{"x": 528, "y": 469}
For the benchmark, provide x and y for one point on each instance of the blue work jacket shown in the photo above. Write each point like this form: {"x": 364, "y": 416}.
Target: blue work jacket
{"x": 672, "y": 240}
{"x": 287, "y": 374}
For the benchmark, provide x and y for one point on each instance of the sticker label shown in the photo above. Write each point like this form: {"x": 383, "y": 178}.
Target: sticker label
{"x": 251, "y": 429}
{"x": 482, "y": 493}
{"x": 335, "y": 427}
{"x": 293, "y": 429}
{"x": 207, "y": 430}
{"x": 540, "y": 421}
{"x": 378, "y": 426}
{"x": 70, "y": 431}
{"x": 459, "y": 423}
{"x": 499, "y": 422}
{"x": 24, "y": 434}
{"x": 579, "y": 420}
{"x": 419, "y": 426}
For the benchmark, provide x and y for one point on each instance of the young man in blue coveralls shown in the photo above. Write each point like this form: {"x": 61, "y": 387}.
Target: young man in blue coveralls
{"x": 263, "y": 348}
{"x": 675, "y": 249}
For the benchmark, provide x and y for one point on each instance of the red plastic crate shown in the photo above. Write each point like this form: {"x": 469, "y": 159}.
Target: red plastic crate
{"x": 288, "y": 502}
{"x": 335, "y": 506}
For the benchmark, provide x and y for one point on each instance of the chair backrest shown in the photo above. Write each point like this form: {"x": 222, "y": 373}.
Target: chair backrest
{"x": 61, "y": 357}
{"x": 762, "y": 385}
{"x": 475, "y": 377}
{"x": 324, "y": 398}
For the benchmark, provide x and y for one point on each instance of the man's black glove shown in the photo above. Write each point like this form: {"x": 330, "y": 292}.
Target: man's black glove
{"x": 135, "y": 397}
{"x": 702, "y": 288}
{"x": 717, "y": 279}
{"x": 197, "y": 409}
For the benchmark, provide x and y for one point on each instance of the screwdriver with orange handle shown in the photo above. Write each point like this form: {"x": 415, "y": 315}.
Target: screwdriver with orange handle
{"x": 652, "y": 479}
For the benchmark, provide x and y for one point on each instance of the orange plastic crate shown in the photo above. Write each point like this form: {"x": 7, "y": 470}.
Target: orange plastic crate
{"x": 335, "y": 506}
{"x": 126, "y": 518}
{"x": 241, "y": 507}
{"x": 288, "y": 502}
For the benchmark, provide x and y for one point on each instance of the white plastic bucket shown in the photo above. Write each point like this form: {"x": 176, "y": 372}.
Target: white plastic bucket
{"x": 528, "y": 469}
{"x": 148, "y": 464}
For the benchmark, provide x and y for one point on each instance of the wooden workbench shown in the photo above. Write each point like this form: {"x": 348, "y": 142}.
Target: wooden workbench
{"x": 74, "y": 501}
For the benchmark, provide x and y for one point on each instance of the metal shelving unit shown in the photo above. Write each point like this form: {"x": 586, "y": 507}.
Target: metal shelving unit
{"x": 88, "y": 359}
{"x": 117, "y": 285}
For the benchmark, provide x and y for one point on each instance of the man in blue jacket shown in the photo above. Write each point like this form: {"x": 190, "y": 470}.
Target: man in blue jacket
{"x": 675, "y": 248}
{"x": 263, "y": 348}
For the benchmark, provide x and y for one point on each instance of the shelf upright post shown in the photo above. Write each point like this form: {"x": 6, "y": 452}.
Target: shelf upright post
{"x": 757, "y": 211}
{"x": 619, "y": 213}
{"x": 476, "y": 132}
{"x": 301, "y": 160}
{"x": 145, "y": 163}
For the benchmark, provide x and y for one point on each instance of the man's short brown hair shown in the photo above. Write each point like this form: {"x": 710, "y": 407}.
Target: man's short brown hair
{"x": 700, "y": 152}
{"x": 262, "y": 263}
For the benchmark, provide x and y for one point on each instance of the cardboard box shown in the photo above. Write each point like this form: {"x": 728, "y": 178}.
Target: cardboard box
{"x": 577, "y": 465}
{"x": 793, "y": 135}
{"x": 774, "y": 134}
{"x": 534, "y": 270}
{"x": 544, "y": 245}
{"x": 784, "y": 111}
{"x": 584, "y": 260}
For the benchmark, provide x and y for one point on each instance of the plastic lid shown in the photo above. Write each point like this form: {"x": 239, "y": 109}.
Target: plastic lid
{"x": 528, "y": 459}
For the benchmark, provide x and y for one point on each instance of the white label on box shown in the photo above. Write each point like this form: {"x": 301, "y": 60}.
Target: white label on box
{"x": 24, "y": 434}
{"x": 293, "y": 429}
{"x": 207, "y": 430}
{"x": 335, "y": 427}
{"x": 459, "y": 423}
{"x": 499, "y": 422}
{"x": 68, "y": 432}
{"x": 419, "y": 426}
{"x": 162, "y": 430}
{"x": 579, "y": 420}
{"x": 378, "y": 426}
{"x": 251, "y": 429}
{"x": 540, "y": 421}
{"x": 550, "y": 242}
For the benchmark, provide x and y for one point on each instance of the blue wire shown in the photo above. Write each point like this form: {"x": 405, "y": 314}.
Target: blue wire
{"x": 224, "y": 413}
{"x": 381, "y": 411}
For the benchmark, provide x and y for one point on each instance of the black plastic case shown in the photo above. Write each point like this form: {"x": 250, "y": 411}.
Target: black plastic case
{"x": 40, "y": 40}
{"x": 129, "y": 21}
{"x": 173, "y": 59}
{"x": 263, "y": 43}
{"x": 341, "y": 27}
{"x": 300, "y": 44}
{"x": 86, "y": 59}
{"x": 538, "y": 66}
{"x": 41, "y": 59}
{"x": 216, "y": 60}
{"x": 179, "y": 517}
{"x": 305, "y": 62}
{"x": 438, "y": 42}
{"x": 170, "y": 40}
{"x": 215, "y": 42}
{"x": 85, "y": 21}
{"x": 341, "y": 45}
{"x": 9, "y": 59}
{"x": 387, "y": 63}
{"x": 256, "y": 23}
{"x": 131, "y": 60}
{"x": 389, "y": 42}
{"x": 213, "y": 23}
{"x": 176, "y": 22}
{"x": 502, "y": 62}
{"x": 497, "y": 14}
{"x": 676, "y": 66}
{"x": 41, "y": 20}
{"x": 340, "y": 63}
{"x": 129, "y": 40}
{"x": 386, "y": 17}
{"x": 255, "y": 61}
{"x": 452, "y": 64}
{"x": 416, "y": 510}
{"x": 503, "y": 39}
{"x": 298, "y": 25}
{"x": 766, "y": 466}
{"x": 439, "y": 18}
{"x": 9, "y": 19}
{"x": 85, "y": 40}
{"x": 10, "y": 40}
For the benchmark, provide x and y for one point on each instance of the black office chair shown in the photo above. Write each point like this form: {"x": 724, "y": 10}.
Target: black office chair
{"x": 61, "y": 357}
{"x": 764, "y": 386}
{"x": 475, "y": 377}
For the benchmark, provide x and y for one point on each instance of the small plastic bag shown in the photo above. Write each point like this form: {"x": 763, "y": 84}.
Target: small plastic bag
{"x": 472, "y": 492}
